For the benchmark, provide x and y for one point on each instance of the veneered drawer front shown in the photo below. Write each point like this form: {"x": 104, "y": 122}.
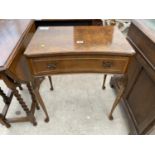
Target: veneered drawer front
{"x": 45, "y": 66}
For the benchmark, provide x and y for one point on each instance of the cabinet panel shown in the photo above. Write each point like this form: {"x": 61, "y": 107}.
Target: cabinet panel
{"x": 142, "y": 100}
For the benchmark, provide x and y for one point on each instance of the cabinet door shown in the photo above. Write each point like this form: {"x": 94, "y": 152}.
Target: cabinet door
{"x": 141, "y": 101}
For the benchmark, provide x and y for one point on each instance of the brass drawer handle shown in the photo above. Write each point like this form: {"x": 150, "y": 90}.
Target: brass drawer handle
{"x": 107, "y": 64}
{"x": 51, "y": 66}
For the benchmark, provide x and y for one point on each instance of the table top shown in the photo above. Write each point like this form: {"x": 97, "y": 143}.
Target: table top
{"x": 11, "y": 32}
{"x": 78, "y": 39}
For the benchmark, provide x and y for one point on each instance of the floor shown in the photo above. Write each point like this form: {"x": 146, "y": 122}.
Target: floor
{"x": 78, "y": 105}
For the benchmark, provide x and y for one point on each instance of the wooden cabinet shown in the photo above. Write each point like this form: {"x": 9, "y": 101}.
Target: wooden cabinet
{"x": 139, "y": 98}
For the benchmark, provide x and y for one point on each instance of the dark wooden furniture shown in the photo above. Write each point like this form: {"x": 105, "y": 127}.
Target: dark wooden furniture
{"x": 7, "y": 100}
{"x": 139, "y": 97}
{"x": 14, "y": 37}
{"x": 68, "y": 22}
{"x": 78, "y": 49}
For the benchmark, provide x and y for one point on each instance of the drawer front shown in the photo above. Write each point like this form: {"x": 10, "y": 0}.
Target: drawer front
{"x": 45, "y": 66}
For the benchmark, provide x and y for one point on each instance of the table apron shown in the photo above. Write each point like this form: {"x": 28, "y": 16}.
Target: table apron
{"x": 63, "y": 65}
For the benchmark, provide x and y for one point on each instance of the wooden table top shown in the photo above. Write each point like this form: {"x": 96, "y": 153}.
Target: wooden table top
{"x": 78, "y": 39}
{"x": 11, "y": 32}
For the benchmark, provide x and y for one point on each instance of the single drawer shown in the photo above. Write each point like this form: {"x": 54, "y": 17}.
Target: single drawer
{"x": 51, "y": 65}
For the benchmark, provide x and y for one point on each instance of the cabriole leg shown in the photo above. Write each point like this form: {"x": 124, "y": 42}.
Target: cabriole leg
{"x": 104, "y": 80}
{"x": 51, "y": 83}
{"x": 123, "y": 82}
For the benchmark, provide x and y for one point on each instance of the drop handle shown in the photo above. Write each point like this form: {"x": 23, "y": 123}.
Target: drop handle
{"x": 51, "y": 66}
{"x": 107, "y": 64}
